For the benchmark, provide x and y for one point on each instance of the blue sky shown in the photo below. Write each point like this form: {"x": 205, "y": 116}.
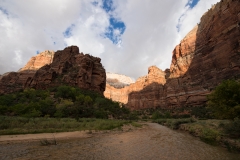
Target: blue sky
{"x": 115, "y": 24}
{"x": 68, "y": 31}
{"x": 192, "y": 3}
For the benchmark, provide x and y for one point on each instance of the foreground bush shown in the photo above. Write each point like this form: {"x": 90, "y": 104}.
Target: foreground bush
{"x": 224, "y": 101}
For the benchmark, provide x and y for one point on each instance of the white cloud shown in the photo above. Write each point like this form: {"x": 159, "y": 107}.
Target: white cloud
{"x": 149, "y": 37}
{"x": 18, "y": 57}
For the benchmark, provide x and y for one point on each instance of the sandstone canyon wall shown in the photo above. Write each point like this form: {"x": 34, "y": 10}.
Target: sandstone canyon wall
{"x": 209, "y": 54}
{"x": 50, "y": 69}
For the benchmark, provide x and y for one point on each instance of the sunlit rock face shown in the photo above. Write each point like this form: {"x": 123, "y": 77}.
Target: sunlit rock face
{"x": 48, "y": 69}
{"x": 38, "y": 61}
{"x": 207, "y": 55}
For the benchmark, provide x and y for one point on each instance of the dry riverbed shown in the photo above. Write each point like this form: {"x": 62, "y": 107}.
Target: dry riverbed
{"x": 152, "y": 141}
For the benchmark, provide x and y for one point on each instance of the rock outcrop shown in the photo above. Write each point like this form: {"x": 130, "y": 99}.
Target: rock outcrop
{"x": 209, "y": 54}
{"x": 68, "y": 67}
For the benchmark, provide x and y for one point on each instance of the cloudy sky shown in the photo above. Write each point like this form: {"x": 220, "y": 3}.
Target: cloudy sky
{"x": 128, "y": 35}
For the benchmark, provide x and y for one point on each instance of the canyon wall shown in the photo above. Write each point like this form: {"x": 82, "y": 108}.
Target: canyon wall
{"x": 49, "y": 69}
{"x": 209, "y": 54}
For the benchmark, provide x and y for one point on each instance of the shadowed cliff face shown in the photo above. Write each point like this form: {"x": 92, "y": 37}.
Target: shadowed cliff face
{"x": 209, "y": 54}
{"x": 68, "y": 67}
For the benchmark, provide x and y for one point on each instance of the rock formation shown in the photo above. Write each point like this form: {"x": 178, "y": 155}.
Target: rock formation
{"x": 14, "y": 81}
{"x": 209, "y": 54}
{"x": 67, "y": 67}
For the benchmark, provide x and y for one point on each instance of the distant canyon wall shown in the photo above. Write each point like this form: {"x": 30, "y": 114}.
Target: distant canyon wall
{"x": 208, "y": 54}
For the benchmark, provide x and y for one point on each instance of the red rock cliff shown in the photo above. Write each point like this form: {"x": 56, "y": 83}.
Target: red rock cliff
{"x": 66, "y": 67}
{"x": 208, "y": 54}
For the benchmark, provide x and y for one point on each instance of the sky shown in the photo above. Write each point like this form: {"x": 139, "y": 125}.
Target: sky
{"x": 128, "y": 35}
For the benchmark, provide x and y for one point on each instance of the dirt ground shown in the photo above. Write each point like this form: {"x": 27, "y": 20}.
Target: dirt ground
{"x": 152, "y": 141}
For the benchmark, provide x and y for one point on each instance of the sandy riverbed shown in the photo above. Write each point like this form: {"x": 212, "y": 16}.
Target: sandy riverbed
{"x": 152, "y": 141}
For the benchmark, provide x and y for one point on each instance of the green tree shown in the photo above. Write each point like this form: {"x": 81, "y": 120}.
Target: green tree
{"x": 80, "y": 98}
{"x": 88, "y": 101}
{"x": 224, "y": 101}
{"x": 66, "y": 92}
{"x": 47, "y": 107}
{"x": 62, "y": 108}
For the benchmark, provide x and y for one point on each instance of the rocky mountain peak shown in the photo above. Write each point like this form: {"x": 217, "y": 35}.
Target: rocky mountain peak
{"x": 64, "y": 67}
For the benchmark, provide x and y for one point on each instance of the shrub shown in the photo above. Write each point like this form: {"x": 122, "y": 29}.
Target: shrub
{"x": 224, "y": 101}
{"x": 88, "y": 101}
{"x": 209, "y": 136}
{"x": 157, "y": 115}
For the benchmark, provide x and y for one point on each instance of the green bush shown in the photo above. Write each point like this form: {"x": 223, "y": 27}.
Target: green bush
{"x": 224, "y": 101}
{"x": 157, "y": 115}
{"x": 209, "y": 136}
